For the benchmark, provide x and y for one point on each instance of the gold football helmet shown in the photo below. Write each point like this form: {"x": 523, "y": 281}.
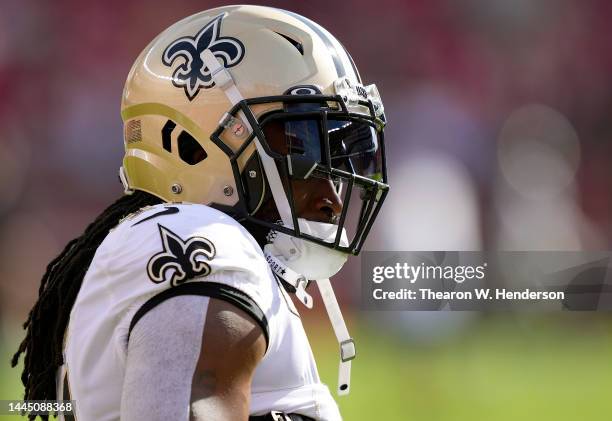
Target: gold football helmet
{"x": 201, "y": 97}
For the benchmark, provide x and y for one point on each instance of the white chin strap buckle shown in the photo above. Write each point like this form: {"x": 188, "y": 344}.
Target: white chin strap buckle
{"x": 303, "y": 296}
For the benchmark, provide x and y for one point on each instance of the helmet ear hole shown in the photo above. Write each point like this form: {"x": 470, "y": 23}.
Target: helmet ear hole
{"x": 189, "y": 149}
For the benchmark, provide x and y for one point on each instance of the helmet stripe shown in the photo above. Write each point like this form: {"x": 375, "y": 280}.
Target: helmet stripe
{"x": 352, "y": 64}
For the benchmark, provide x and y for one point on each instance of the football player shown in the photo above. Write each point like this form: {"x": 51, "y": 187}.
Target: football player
{"x": 254, "y": 165}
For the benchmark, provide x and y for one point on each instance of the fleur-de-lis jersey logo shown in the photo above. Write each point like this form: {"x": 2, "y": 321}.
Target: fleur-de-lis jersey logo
{"x": 192, "y": 74}
{"x": 180, "y": 260}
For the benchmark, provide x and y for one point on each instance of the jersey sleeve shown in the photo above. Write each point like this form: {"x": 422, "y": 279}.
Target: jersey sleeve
{"x": 163, "y": 354}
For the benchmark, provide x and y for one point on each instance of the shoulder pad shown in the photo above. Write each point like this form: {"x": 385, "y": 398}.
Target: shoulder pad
{"x": 179, "y": 242}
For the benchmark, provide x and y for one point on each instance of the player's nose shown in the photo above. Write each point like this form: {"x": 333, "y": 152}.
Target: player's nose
{"x": 323, "y": 204}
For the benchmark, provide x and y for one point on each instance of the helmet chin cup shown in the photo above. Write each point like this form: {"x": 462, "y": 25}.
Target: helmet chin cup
{"x": 309, "y": 259}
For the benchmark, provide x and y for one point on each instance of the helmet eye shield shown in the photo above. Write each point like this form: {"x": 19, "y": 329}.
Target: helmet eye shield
{"x": 355, "y": 148}
{"x": 314, "y": 139}
{"x": 348, "y": 143}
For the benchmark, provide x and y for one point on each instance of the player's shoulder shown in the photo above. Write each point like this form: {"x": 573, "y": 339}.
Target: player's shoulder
{"x": 183, "y": 217}
{"x": 187, "y": 215}
{"x": 175, "y": 228}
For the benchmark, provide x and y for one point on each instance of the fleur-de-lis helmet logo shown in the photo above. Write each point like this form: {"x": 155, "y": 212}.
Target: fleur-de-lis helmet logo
{"x": 192, "y": 74}
{"x": 180, "y": 260}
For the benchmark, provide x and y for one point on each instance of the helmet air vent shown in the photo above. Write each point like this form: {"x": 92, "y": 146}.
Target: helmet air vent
{"x": 133, "y": 131}
{"x": 293, "y": 42}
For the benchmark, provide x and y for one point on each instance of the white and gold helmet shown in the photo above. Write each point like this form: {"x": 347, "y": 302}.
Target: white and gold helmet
{"x": 201, "y": 97}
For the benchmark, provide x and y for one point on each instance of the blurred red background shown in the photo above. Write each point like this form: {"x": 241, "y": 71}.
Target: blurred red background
{"x": 499, "y": 130}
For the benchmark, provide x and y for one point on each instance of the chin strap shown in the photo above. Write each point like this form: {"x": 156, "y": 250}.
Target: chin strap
{"x": 347, "y": 344}
{"x": 290, "y": 276}
{"x": 223, "y": 79}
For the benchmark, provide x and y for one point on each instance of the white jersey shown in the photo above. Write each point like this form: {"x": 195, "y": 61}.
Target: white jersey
{"x": 175, "y": 249}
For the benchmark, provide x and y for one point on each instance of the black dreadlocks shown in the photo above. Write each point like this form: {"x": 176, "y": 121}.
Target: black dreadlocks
{"x": 59, "y": 287}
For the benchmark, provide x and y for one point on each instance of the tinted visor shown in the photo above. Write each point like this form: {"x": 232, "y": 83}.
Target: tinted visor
{"x": 348, "y": 144}
{"x": 354, "y": 147}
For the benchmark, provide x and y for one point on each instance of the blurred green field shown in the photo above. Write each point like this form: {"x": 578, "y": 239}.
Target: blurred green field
{"x": 10, "y": 384}
{"x": 499, "y": 370}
